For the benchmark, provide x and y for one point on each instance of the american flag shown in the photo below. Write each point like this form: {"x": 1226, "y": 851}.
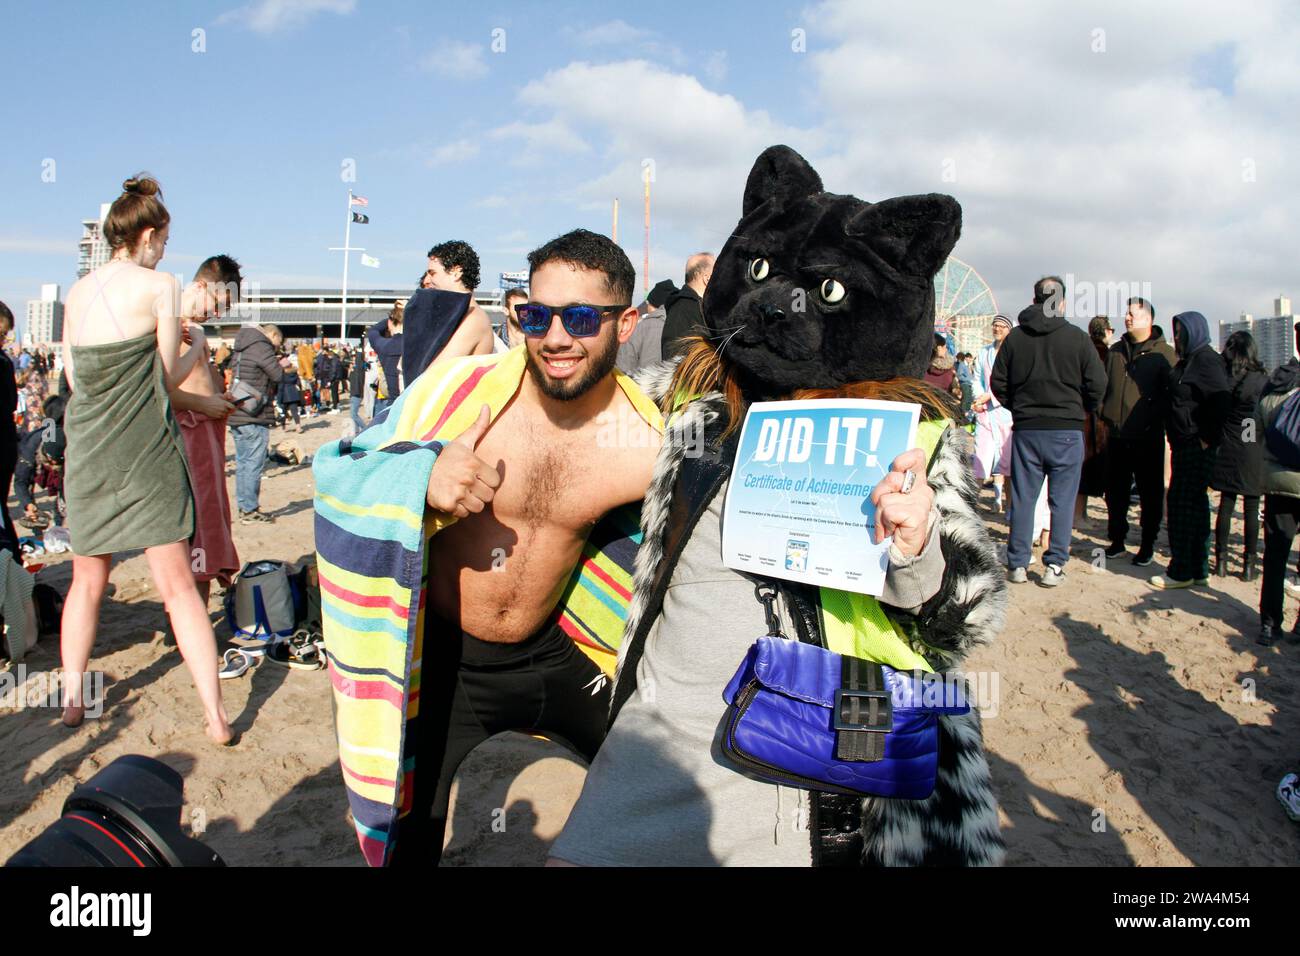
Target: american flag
{"x": 360, "y": 201}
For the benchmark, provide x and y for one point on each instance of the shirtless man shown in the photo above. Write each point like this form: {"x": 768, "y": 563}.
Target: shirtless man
{"x": 527, "y": 489}
{"x": 201, "y": 404}
{"x": 453, "y": 267}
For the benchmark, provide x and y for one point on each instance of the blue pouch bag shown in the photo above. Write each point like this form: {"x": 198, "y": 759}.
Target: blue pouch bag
{"x": 806, "y": 717}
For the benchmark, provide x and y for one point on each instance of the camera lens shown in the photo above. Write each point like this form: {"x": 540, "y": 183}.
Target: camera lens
{"x": 127, "y": 815}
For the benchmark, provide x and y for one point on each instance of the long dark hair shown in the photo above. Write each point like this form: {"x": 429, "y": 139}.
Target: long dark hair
{"x": 1240, "y": 355}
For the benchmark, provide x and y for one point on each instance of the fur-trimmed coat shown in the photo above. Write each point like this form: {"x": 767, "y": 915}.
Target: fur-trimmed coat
{"x": 958, "y": 823}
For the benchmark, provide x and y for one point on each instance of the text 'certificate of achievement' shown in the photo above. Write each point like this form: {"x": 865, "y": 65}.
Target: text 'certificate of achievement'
{"x": 799, "y": 500}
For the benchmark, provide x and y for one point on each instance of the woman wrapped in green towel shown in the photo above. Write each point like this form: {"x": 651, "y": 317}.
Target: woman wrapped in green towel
{"x": 127, "y": 482}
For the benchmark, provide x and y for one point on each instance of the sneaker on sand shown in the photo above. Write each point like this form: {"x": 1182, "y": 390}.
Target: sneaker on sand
{"x": 1288, "y": 794}
{"x": 1116, "y": 550}
{"x": 1166, "y": 583}
{"x": 1144, "y": 557}
{"x": 1292, "y": 585}
{"x": 1017, "y": 576}
{"x": 1266, "y": 636}
{"x": 1053, "y": 576}
{"x": 255, "y": 517}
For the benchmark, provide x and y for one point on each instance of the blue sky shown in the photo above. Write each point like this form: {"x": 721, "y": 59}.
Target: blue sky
{"x": 1165, "y": 157}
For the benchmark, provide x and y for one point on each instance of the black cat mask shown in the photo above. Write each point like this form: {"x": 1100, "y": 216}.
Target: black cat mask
{"x": 818, "y": 290}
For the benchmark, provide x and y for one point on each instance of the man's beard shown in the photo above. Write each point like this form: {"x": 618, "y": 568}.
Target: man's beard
{"x": 599, "y": 364}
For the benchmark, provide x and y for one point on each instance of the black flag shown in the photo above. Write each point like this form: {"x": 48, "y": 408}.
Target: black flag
{"x": 358, "y": 217}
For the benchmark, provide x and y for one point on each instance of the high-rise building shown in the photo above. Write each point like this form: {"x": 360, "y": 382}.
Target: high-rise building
{"x": 1274, "y": 335}
{"x": 44, "y": 318}
{"x": 1245, "y": 324}
{"x": 93, "y": 251}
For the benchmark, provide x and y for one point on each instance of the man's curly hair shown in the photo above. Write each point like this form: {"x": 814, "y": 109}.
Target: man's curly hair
{"x": 455, "y": 253}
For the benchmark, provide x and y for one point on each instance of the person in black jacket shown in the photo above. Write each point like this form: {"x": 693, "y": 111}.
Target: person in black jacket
{"x": 1199, "y": 395}
{"x": 339, "y": 380}
{"x": 1048, "y": 373}
{"x": 289, "y": 395}
{"x": 357, "y": 387}
{"x": 685, "y": 307}
{"x": 254, "y": 364}
{"x": 1237, "y": 470}
{"x": 8, "y": 433}
{"x": 1137, "y": 395}
{"x": 385, "y": 337}
{"x": 324, "y": 369}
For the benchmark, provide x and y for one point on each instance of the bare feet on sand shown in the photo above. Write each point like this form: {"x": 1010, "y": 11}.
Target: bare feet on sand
{"x": 219, "y": 732}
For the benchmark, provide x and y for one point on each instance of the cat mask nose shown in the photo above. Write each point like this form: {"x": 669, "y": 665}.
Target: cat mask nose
{"x": 770, "y": 313}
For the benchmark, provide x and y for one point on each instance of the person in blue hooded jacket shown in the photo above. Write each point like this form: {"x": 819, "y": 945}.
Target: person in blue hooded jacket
{"x": 1199, "y": 398}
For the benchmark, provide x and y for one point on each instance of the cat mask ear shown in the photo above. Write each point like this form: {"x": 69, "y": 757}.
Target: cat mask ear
{"x": 914, "y": 233}
{"x": 781, "y": 174}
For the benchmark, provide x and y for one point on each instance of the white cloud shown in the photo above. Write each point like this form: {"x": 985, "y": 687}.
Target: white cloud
{"x": 700, "y": 143}
{"x": 456, "y": 60}
{"x": 455, "y": 152}
{"x": 618, "y": 39}
{"x": 271, "y": 16}
{"x": 538, "y": 142}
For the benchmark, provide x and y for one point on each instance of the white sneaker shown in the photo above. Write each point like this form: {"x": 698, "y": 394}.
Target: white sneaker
{"x": 1292, "y": 585}
{"x": 1053, "y": 576}
{"x": 1017, "y": 576}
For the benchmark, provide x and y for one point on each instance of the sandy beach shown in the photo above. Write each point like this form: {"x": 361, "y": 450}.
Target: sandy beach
{"x": 1132, "y": 726}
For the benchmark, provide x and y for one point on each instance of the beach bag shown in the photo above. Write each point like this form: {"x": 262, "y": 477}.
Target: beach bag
{"x": 803, "y": 716}
{"x": 1282, "y": 435}
{"x": 18, "y": 626}
{"x": 261, "y": 603}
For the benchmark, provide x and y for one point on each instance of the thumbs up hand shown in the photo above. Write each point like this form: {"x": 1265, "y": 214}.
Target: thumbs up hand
{"x": 461, "y": 482}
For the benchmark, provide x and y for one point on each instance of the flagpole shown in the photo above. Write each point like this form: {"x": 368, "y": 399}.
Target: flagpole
{"x": 645, "y": 269}
{"x": 343, "y": 305}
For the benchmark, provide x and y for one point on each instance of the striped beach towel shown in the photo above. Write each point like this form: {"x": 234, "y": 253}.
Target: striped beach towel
{"x": 371, "y": 528}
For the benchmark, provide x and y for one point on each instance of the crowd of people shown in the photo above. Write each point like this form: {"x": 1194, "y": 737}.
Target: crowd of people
{"x": 1058, "y": 415}
{"x": 134, "y": 344}
{"x": 1068, "y": 415}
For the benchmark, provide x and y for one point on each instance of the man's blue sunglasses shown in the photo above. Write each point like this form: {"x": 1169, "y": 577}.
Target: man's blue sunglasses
{"x": 580, "y": 321}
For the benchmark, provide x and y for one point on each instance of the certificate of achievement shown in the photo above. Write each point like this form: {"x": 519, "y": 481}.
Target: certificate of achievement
{"x": 798, "y": 502}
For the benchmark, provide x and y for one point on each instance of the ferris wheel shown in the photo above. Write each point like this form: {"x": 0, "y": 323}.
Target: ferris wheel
{"x": 960, "y": 292}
